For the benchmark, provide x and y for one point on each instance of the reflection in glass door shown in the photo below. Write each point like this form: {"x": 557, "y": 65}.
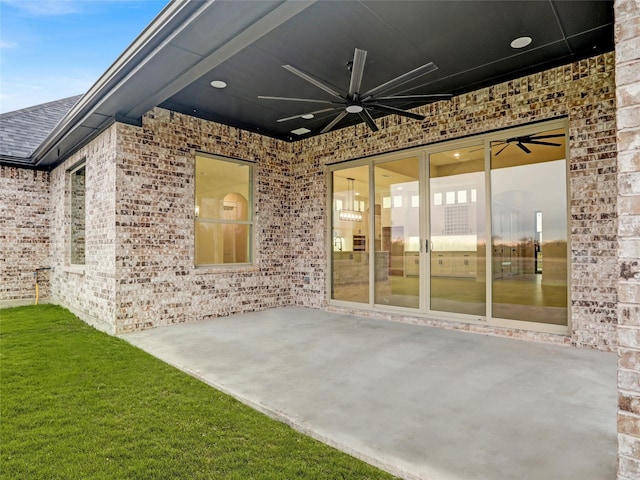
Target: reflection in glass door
{"x": 350, "y": 235}
{"x": 499, "y": 256}
{"x": 457, "y": 231}
{"x": 529, "y": 228}
{"x": 397, "y": 233}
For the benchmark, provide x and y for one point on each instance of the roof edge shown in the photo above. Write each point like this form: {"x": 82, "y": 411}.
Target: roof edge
{"x": 153, "y": 35}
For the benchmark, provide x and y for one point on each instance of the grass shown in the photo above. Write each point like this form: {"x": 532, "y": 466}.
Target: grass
{"x": 76, "y": 403}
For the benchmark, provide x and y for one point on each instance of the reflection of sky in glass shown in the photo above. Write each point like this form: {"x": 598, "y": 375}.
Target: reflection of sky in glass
{"x": 524, "y": 190}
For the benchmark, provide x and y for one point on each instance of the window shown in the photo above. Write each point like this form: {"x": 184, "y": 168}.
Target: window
{"x": 223, "y": 211}
{"x": 78, "y": 196}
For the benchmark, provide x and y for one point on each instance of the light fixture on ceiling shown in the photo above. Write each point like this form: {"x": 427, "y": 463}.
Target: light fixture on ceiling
{"x": 521, "y": 42}
{"x": 350, "y": 214}
{"x": 218, "y": 84}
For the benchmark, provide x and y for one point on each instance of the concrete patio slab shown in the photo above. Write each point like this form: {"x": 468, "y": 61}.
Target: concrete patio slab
{"x": 420, "y": 402}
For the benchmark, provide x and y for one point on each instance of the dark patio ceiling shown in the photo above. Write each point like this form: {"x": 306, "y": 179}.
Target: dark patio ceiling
{"x": 245, "y": 44}
{"x": 468, "y": 41}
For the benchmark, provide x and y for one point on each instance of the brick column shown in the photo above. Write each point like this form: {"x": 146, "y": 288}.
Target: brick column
{"x": 627, "y": 37}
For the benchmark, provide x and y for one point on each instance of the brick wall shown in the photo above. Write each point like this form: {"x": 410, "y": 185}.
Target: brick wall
{"x": 24, "y": 235}
{"x": 157, "y": 281}
{"x": 583, "y": 91}
{"x": 627, "y": 31}
{"x": 88, "y": 290}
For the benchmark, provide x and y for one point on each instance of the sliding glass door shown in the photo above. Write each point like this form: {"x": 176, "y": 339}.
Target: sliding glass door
{"x": 529, "y": 228}
{"x": 397, "y": 231}
{"x": 351, "y": 235}
{"x": 475, "y": 230}
{"x": 457, "y": 231}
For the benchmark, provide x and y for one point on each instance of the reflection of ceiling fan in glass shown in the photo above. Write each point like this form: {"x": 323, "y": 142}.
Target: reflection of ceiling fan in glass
{"x": 524, "y": 140}
{"x": 361, "y": 104}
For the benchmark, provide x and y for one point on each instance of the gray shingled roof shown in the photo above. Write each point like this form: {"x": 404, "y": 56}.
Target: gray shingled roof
{"x": 22, "y": 131}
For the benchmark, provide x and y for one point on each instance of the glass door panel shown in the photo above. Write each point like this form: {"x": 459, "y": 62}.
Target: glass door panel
{"x": 351, "y": 239}
{"x": 397, "y": 233}
{"x": 457, "y": 231}
{"x": 529, "y": 228}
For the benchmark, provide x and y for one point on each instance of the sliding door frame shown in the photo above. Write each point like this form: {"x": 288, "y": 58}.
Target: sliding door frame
{"x": 423, "y": 153}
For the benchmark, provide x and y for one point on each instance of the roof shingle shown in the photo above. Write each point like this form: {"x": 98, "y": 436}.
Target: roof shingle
{"x": 22, "y": 131}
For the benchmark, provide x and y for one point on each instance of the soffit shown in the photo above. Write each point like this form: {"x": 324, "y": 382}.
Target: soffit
{"x": 246, "y": 43}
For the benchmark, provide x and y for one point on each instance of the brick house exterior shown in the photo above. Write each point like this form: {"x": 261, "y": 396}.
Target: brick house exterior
{"x": 627, "y": 31}
{"x": 139, "y": 270}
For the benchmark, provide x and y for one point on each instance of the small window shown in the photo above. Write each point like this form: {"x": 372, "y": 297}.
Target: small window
{"x": 451, "y": 198}
{"x": 78, "y": 219}
{"x": 223, "y": 211}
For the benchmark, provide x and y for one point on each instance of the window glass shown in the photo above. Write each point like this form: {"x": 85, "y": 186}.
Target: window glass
{"x": 78, "y": 218}
{"x": 351, "y": 240}
{"x": 397, "y": 233}
{"x": 223, "y": 211}
{"x": 458, "y": 232}
{"x": 529, "y": 240}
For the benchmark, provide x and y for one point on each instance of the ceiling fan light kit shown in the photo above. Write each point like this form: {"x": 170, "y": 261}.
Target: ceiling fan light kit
{"x": 361, "y": 104}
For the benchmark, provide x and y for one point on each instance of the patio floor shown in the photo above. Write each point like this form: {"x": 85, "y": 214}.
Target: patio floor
{"x": 419, "y": 402}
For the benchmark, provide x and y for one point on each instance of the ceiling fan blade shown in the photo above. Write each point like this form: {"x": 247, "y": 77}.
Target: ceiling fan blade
{"x": 333, "y": 122}
{"x": 538, "y": 137}
{"x": 415, "y": 98}
{"x": 500, "y": 151}
{"x": 521, "y": 146}
{"x": 308, "y": 113}
{"x": 357, "y": 69}
{"x": 289, "y": 99}
{"x": 396, "y": 111}
{"x": 402, "y": 79}
{"x": 535, "y": 142}
{"x": 313, "y": 81}
{"x": 366, "y": 116}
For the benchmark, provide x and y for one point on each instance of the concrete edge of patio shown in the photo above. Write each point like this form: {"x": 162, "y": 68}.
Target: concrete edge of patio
{"x": 288, "y": 420}
{"x": 386, "y": 392}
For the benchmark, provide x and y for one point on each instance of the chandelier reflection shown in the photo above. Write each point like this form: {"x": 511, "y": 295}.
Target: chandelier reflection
{"x": 350, "y": 214}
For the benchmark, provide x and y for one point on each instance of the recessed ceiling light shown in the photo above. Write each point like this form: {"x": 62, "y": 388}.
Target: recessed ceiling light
{"x": 300, "y": 131}
{"x": 218, "y": 84}
{"x": 457, "y": 155}
{"x": 307, "y": 116}
{"x": 521, "y": 42}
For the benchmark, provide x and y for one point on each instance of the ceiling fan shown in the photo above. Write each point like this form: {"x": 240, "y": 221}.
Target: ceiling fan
{"x": 523, "y": 141}
{"x": 358, "y": 103}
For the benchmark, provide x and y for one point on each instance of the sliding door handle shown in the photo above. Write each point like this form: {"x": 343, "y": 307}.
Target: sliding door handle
{"x": 426, "y": 246}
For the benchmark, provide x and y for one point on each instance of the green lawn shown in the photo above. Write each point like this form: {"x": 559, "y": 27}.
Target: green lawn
{"x": 78, "y": 404}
